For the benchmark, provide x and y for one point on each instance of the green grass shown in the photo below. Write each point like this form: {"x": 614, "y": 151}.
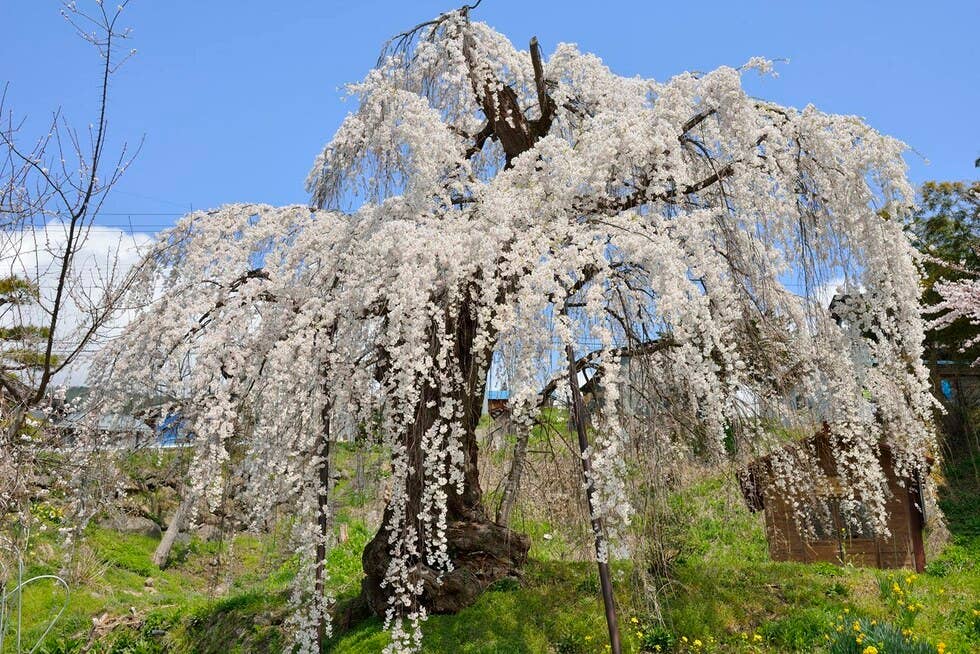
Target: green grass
{"x": 724, "y": 593}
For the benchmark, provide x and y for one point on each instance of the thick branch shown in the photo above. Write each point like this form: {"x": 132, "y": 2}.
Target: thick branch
{"x": 546, "y": 104}
{"x": 696, "y": 120}
{"x": 500, "y": 105}
{"x": 505, "y": 119}
{"x": 479, "y": 139}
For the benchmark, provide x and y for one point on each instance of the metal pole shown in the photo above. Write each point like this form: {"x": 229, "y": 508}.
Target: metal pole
{"x": 605, "y": 582}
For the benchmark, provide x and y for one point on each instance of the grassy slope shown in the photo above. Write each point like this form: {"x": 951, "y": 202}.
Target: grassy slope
{"x": 725, "y": 594}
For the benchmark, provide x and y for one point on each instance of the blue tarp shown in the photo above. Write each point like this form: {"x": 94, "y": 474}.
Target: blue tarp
{"x": 173, "y": 430}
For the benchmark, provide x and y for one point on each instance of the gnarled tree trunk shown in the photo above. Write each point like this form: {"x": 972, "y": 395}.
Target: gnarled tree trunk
{"x": 481, "y": 550}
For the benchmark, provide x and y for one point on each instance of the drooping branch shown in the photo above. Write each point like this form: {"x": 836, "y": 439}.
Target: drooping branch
{"x": 206, "y": 317}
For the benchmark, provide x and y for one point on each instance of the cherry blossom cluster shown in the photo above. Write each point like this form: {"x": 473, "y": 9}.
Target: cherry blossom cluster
{"x": 960, "y": 301}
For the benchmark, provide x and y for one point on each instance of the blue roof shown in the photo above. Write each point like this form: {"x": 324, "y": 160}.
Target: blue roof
{"x": 173, "y": 429}
{"x": 498, "y": 395}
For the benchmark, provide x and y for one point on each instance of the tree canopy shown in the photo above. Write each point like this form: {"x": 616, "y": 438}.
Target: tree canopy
{"x": 484, "y": 200}
{"x": 947, "y": 230}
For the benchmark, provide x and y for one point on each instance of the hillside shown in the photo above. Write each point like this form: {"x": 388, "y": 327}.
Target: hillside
{"x": 724, "y": 594}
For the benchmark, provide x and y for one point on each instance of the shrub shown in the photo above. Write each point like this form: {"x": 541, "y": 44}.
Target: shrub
{"x": 899, "y": 595}
{"x": 957, "y": 558}
{"x": 655, "y": 638}
{"x": 63, "y": 646}
{"x": 871, "y": 637}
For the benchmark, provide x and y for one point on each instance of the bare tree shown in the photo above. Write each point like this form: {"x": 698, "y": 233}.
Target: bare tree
{"x": 61, "y": 301}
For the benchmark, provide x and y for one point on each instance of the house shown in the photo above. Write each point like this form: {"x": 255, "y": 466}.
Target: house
{"x": 142, "y": 421}
{"x": 497, "y": 403}
{"x": 173, "y": 431}
{"x": 829, "y": 536}
{"x": 116, "y": 429}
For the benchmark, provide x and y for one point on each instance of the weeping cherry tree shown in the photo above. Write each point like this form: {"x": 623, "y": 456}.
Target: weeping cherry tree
{"x": 483, "y": 199}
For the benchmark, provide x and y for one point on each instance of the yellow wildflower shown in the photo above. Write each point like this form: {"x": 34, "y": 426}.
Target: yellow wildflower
{"x": 857, "y": 626}
{"x": 941, "y": 647}
{"x": 757, "y": 638}
{"x": 697, "y": 643}
{"x": 634, "y": 620}
{"x": 870, "y": 649}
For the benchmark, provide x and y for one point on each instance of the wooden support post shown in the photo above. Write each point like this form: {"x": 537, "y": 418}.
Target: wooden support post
{"x": 605, "y": 581}
{"x": 323, "y": 525}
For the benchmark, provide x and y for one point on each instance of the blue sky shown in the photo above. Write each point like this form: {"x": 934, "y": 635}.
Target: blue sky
{"x": 235, "y": 98}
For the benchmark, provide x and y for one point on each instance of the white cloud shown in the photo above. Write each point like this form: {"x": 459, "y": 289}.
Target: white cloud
{"x": 103, "y": 259}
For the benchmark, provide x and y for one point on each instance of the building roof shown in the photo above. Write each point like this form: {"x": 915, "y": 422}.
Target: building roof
{"x": 110, "y": 422}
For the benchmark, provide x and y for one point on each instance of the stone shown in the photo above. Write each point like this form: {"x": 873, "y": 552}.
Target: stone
{"x": 132, "y": 524}
{"x": 208, "y": 532}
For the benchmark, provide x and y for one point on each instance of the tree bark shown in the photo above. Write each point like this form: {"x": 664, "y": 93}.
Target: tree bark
{"x": 323, "y": 525}
{"x": 481, "y": 551}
